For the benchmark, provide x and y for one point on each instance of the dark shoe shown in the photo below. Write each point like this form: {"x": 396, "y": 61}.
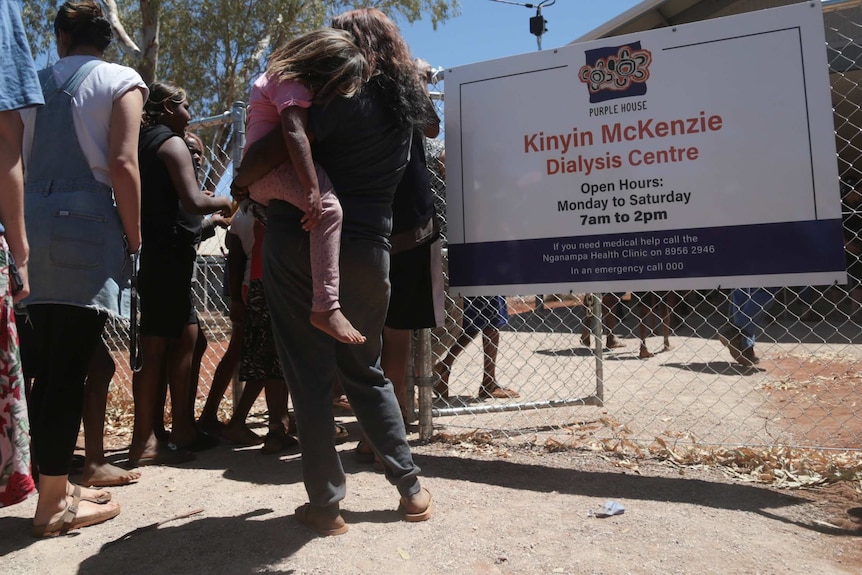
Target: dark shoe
{"x": 162, "y": 434}
{"x": 730, "y": 337}
{"x": 747, "y": 357}
{"x": 202, "y": 442}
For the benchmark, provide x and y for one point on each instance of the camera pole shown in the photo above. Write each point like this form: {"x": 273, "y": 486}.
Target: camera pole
{"x": 538, "y": 24}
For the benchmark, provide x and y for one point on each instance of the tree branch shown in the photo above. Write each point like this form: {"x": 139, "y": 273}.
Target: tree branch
{"x": 114, "y": 19}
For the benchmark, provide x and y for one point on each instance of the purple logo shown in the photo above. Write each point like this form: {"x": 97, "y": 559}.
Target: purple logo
{"x": 616, "y": 72}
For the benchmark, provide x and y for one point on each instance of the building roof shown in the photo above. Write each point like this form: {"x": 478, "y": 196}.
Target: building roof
{"x": 651, "y": 14}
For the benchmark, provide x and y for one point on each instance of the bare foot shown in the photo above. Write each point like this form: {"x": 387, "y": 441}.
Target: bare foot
{"x": 85, "y": 494}
{"x": 614, "y": 343}
{"x": 491, "y": 389}
{"x": 585, "y": 340}
{"x": 239, "y": 434}
{"x": 210, "y": 425}
{"x": 334, "y": 323}
{"x": 667, "y": 346}
{"x": 103, "y": 474}
{"x": 645, "y": 353}
{"x": 154, "y": 453}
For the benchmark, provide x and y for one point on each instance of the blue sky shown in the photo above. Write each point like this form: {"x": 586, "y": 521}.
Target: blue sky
{"x": 486, "y": 30}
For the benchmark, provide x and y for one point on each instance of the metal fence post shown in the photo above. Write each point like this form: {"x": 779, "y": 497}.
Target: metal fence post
{"x": 237, "y": 116}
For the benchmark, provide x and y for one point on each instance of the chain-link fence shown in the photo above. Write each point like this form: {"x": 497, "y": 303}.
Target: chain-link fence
{"x": 671, "y": 381}
{"x": 660, "y": 373}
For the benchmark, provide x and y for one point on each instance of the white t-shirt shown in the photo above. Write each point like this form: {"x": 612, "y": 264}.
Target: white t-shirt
{"x": 91, "y": 112}
{"x": 242, "y": 226}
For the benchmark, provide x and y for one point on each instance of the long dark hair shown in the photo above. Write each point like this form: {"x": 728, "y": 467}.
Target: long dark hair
{"x": 389, "y": 62}
{"x": 85, "y": 24}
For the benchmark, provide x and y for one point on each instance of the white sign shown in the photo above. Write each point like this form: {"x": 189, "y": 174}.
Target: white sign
{"x": 689, "y": 157}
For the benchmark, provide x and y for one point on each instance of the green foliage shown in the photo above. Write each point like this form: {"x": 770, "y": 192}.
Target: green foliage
{"x": 215, "y": 48}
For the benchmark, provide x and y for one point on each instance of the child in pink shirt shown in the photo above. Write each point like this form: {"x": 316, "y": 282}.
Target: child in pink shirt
{"x": 312, "y": 68}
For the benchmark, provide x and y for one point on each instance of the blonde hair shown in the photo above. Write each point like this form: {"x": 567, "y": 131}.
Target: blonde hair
{"x": 160, "y": 94}
{"x": 325, "y": 61}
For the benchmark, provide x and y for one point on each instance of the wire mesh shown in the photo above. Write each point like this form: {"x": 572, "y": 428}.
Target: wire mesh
{"x": 654, "y": 367}
{"x": 670, "y": 367}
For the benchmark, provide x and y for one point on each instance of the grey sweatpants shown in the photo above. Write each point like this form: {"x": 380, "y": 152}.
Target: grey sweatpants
{"x": 311, "y": 360}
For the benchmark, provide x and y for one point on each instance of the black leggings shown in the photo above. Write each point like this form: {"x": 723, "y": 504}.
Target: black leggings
{"x": 65, "y": 339}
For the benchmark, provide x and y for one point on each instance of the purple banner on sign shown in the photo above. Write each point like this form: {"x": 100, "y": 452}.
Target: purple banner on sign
{"x": 761, "y": 249}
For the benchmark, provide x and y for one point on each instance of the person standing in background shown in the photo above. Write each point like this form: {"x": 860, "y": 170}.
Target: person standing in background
{"x": 171, "y": 208}
{"x": 82, "y": 206}
{"x": 19, "y": 88}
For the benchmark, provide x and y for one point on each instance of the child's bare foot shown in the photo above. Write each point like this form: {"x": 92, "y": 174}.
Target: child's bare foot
{"x": 613, "y": 342}
{"x": 334, "y": 323}
{"x": 645, "y": 353}
{"x": 667, "y": 346}
{"x": 239, "y": 434}
{"x": 103, "y": 474}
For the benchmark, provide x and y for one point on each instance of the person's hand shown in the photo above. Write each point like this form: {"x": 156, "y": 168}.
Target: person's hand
{"x": 226, "y": 210}
{"x": 237, "y": 310}
{"x": 239, "y": 193}
{"x": 219, "y": 220}
{"x": 314, "y": 209}
{"x": 133, "y": 244}
{"x": 25, "y": 284}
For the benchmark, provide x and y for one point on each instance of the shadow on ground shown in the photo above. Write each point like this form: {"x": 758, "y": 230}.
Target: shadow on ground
{"x": 729, "y": 496}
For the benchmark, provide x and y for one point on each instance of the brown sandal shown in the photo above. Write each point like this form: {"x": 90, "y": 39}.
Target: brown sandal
{"x": 321, "y": 525}
{"x": 417, "y": 516}
{"x": 69, "y": 520}
{"x": 101, "y": 499}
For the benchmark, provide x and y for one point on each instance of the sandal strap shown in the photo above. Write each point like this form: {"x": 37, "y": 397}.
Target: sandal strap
{"x": 71, "y": 510}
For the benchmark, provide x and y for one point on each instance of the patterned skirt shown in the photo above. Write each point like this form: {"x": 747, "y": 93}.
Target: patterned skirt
{"x": 259, "y": 360}
{"x": 16, "y": 481}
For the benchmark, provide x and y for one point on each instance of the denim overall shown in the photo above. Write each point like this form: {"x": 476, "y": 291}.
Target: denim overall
{"x": 78, "y": 252}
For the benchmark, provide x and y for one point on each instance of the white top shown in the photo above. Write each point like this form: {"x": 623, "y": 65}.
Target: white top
{"x": 242, "y": 226}
{"x": 92, "y": 105}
